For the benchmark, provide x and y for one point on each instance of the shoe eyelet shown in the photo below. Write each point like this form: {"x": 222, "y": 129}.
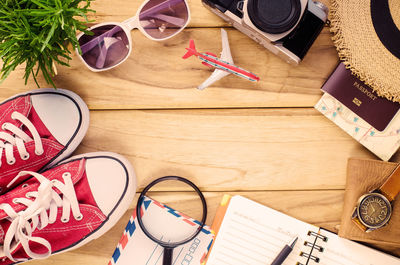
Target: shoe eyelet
{"x": 11, "y": 162}
{"x": 15, "y": 200}
{"x": 13, "y": 115}
{"x": 64, "y": 220}
{"x": 67, "y": 175}
{"x": 54, "y": 181}
{"x": 25, "y": 185}
{"x": 27, "y": 195}
{"x": 79, "y": 217}
{"x": 25, "y": 157}
{"x": 4, "y": 126}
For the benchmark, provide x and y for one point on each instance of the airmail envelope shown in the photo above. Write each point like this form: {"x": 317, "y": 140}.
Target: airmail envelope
{"x": 135, "y": 248}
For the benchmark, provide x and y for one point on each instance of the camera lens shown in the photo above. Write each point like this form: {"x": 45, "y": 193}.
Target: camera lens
{"x": 274, "y": 16}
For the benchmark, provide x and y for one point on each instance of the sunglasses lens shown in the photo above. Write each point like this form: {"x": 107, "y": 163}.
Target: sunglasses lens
{"x": 163, "y": 18}
{"x": 107, "y": 47}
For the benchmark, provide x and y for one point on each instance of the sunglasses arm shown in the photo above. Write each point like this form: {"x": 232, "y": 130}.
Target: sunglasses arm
{"x": 154, "y": 12}
{"x": 158, "y": 8}
{"x": 131, "y": 23}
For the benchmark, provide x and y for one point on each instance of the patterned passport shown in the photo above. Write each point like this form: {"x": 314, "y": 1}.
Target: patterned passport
{"x": 360, "y": 98}
{"x": 382, "y": 143}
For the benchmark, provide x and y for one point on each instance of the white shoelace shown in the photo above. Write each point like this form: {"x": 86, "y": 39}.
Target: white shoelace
{"x": 19, "y": 138}
{"x": 25, "y": 222}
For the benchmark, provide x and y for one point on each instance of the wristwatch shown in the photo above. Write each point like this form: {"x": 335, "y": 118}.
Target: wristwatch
{"x": 374, "y": 209}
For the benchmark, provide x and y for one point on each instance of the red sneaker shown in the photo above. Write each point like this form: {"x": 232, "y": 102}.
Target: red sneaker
{"x": 65, "y": 207}
{"x": 39, "y": 129}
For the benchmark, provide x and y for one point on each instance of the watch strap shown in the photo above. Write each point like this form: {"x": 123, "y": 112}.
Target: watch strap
{"x": 359, "y": 224}
{"x": 391, "y": 187}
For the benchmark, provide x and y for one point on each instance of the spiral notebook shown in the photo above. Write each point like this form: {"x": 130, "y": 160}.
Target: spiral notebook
{"x": 253, "y": 234}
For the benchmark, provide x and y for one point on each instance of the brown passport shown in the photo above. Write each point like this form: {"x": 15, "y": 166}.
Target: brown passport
{"x": 360, "y": 98}
{"x": 363, "y": 176}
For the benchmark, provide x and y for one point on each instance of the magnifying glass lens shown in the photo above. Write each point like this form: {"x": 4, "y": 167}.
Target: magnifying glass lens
{"x": 181, "y": 215}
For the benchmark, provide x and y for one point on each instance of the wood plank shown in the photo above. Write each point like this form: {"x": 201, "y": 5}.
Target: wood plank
{"x": 120, "y": 10}
{"x": 321, "y": 208}
{"x": 155, "y": 76}
{"x": 247, "y": 149}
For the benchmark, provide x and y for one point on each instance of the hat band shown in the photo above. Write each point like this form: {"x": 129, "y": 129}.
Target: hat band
{"x": 385, "y": 27}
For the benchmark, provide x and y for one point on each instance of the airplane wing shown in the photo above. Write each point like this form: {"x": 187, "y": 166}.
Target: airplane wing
{"x": 226, "y": 56}
{"x": 215, "y": 76}
{"x": 226, "y": 50}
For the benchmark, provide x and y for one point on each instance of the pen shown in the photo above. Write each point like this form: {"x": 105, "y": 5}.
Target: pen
{"x": 284, "y": 253}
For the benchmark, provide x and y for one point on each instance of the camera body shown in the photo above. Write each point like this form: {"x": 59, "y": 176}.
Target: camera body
{"x": 287, "y": 28}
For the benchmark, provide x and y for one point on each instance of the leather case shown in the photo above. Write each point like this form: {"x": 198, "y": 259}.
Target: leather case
{"x": 363, "y": 176}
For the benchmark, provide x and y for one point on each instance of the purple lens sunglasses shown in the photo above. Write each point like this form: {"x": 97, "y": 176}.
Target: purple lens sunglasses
{"x": 111, "y": 43}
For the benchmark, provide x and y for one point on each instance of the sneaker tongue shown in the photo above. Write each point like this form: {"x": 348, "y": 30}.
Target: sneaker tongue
{"x": 22, "y": 105}
{"x": 39, "y": 125}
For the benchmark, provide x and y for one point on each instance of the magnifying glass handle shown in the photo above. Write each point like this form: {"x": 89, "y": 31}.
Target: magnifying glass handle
{"x": 167, "y": 259}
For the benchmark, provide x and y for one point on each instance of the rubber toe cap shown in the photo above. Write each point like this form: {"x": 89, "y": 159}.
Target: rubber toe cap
{"x": 109, "y": 181}
{"x": 59, "y": 113}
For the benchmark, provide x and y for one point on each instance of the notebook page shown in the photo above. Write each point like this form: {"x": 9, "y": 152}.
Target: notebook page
{"x": 341, "y": 251}
{"x": 252, "y": 234}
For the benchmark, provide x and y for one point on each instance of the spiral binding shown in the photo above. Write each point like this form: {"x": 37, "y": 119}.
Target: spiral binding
{"x": 312, "y": 233}
{"x": 313, "y": 246}
{"x": 308, "y": 244}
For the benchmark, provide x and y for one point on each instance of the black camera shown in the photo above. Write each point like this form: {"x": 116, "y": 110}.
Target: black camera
{"x": 288, "y": 28}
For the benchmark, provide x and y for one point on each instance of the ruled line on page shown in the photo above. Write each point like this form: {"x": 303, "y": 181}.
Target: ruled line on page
{"x": 337, "y": 258}
{"x": 264, "y": 247}
{"x": 246, "y": 246}
{"x": 278, "y": 235}
{"x": 241, "y": 254}
{"x": 280, "y": 238}
{"x": 245, "y": 238}
{"x": 231, "y": 262}
{"x": 268, "y": 254}
{"x": 277, "y": 239}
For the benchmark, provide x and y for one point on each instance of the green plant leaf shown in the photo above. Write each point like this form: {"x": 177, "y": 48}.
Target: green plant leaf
{"x": 49, "y": 36}
{"x": 37, "y": 33}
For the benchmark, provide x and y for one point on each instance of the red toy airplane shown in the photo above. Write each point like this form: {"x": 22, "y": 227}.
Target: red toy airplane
{"x": 224, "y": 65}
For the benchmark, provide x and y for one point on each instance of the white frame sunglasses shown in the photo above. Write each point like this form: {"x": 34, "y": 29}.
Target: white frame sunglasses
{"x": 127, "y": 26}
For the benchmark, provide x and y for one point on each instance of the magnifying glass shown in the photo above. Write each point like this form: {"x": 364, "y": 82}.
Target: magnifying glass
{"x": 159, "y": 229}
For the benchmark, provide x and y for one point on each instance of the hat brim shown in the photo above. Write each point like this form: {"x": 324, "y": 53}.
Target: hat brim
{"x": 360, "y": 48}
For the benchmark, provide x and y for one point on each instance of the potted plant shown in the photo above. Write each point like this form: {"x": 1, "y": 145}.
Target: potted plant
{"x": 38, "y": 33}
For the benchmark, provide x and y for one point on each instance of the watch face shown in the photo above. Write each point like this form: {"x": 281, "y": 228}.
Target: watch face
{"x": 374, "y": 210}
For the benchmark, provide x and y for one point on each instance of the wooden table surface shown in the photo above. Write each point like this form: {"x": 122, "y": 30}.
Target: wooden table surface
{"x": 264, "y": 141}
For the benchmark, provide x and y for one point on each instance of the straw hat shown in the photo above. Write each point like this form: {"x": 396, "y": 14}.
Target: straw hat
{"x": 367, "y": 37}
